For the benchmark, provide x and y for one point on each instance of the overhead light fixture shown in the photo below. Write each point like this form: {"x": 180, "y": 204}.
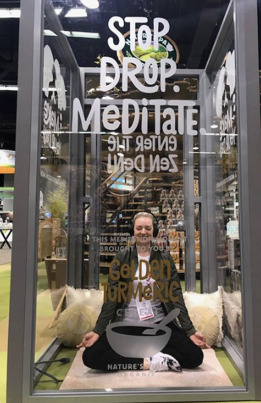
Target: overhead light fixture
{"x": 214, "y": 126}
{"x": 10, "y": 13}
{"x": 8, "y": 88}
{"x": 195, "y": 148}
{"x": 78, "y": 34}
{"x": 48, "y": 32}
{"x": 202, "y": 152}
{"x": 58, "y": 11}
{"x": 76, "y": 12}
{"x": 108, "y": 79}
{"x": 90, "y": 3}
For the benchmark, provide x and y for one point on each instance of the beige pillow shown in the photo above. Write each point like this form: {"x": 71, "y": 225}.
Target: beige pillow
{"x": 198, "y": 302}
{"x": 74, "y": 322}
{"x": 205, "y": 321}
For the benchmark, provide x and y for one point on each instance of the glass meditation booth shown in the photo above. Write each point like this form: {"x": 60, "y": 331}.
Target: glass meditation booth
{"x": 125, "y": 107}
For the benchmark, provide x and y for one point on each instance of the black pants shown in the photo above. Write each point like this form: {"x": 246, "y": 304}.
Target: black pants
{"x": 101, "y": 356}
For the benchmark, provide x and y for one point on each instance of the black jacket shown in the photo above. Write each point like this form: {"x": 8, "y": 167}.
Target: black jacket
{"x": 167, "y": 274}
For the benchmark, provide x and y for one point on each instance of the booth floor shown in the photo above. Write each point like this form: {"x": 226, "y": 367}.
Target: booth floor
{"x": 76, "y": 375}
{"x": 209, "y": 374}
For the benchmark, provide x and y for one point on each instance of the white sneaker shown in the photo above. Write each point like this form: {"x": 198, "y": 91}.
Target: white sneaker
{"x": 164, "y": 362}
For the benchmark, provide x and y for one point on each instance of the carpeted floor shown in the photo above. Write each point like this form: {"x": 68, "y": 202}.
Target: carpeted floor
{"x": 5, "y": 255}
{"x": 5, "y": 259}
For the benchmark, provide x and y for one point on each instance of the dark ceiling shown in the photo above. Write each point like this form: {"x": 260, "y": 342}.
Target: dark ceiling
{"x": 8, "y": 76}
{"x": 194, "y": 27}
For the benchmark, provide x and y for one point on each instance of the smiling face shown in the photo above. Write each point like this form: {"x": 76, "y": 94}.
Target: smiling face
{"x": 143, "y": 230}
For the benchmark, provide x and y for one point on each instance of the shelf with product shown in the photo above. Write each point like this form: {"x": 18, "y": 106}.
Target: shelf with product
{"x": 177, "y": 248}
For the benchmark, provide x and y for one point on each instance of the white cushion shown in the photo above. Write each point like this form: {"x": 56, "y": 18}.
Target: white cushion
{"x": 92, "y": 297}
{"x": 233, "y": 314}
{"x": 208, "y": 320}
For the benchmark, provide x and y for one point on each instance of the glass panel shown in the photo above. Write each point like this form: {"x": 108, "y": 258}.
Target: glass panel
{"x": 126, "y": 142}
{"x": 224, "y": 126}
{"x": 53, "y": 199}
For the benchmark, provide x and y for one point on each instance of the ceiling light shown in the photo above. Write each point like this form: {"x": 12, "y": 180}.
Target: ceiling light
{"x": 10, "y": 13}
{"x": 77, "y": 12}
{"x": 77, "y": 34}
{"x": 107, "y": 97}
{"x": 8, "y": 88}
{"x": 109, "y": 79}
{"x": 195, "y": 148}
{"x": 48, "y": 32}
{"x": 202, "y": 152}
{"x": 90, "y": 3}
{"x": 214, "y": 126}
{"x": 58, "y": 11}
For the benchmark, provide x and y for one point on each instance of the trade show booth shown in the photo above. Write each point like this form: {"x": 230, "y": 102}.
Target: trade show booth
{"x": 126, "y": 107}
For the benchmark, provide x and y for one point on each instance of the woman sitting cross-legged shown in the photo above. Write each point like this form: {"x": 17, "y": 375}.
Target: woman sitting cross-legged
{"x": 144, "y": 287}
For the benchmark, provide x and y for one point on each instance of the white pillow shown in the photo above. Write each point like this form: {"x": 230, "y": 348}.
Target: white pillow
{"x": 92, "y": 297}
{"x": 196, "y": 302}
{"x": 233, "y": 314}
